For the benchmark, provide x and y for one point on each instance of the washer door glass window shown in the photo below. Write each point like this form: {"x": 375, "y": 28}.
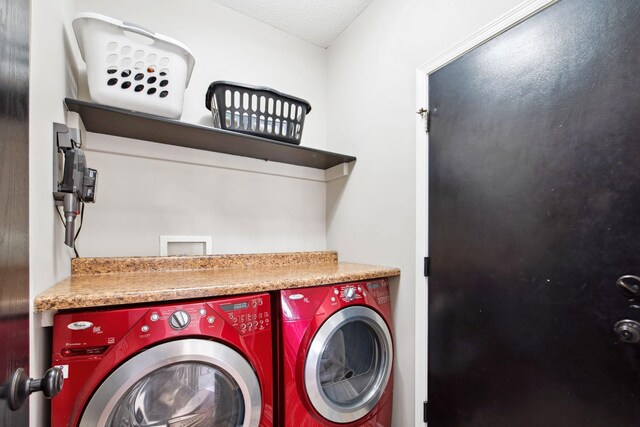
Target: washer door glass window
{"x": 348, "y": 364}
{"x": 190, "y": 394}
{"x": 183, "y": 383}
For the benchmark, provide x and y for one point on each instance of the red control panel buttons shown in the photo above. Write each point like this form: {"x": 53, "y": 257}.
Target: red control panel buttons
{"x": 247, "y": 316}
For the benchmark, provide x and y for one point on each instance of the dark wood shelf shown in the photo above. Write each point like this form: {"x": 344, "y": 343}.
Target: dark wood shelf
{"x": 118, "y": 122}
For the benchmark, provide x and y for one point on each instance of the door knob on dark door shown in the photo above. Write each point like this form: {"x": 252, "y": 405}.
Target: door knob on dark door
{"x": 628, "y": 331}
{"x": 629, "y": 285}
{"x": 19, "y": 387}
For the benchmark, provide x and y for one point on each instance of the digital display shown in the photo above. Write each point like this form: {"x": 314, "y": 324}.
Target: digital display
{"x": 237, "y": 306}
{"x": 373, "y": 285}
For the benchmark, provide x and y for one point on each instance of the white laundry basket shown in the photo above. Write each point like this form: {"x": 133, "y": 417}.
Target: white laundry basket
{"x": 131, "y": 67}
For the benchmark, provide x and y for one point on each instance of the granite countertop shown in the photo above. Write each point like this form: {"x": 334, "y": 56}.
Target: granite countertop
{"x": 98, "y": 282}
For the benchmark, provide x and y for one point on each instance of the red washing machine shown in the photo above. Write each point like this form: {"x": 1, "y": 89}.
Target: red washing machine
{"x": 195, "y": 363}
{"x": 337, "y": 356}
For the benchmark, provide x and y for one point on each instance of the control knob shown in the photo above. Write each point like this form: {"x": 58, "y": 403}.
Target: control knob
{"x": 349, "y": 293}
{"x": 179, "y": 320}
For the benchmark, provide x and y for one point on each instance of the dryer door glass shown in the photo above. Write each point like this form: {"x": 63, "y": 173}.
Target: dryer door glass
{"x": 189, "y": 394}
{"x": 348, "y": 364}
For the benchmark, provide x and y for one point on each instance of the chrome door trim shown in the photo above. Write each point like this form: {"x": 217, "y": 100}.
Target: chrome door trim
{"x": 326, "y": 408}
{"x": 213, "y": 353}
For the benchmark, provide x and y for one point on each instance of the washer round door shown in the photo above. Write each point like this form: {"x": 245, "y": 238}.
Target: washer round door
{"x": 348, "y": 364}
{"x": 187, "y": 382}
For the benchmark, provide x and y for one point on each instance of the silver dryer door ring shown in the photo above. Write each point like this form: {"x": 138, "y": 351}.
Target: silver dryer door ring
{"x": 325, "y": 407}
{"x": 212, "y": 353}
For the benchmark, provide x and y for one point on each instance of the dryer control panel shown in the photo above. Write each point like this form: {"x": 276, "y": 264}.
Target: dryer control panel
{"x": 348, "y": 293}
{"x": 355, "y": 292}
{"x": 305, "y": 303}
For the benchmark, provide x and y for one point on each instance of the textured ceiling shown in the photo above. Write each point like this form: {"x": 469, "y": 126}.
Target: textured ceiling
{"x": 317, "y": 21}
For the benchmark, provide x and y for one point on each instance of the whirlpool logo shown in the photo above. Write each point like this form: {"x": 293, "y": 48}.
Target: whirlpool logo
{"x": 80, "y": 325}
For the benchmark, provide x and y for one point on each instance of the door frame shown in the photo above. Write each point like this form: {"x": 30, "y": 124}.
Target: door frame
{"x": 486, "y": 33}
{"x": 15, "y": 274}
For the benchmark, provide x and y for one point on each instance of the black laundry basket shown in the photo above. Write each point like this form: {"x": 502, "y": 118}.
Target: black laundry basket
{"x": 259, "y": 111}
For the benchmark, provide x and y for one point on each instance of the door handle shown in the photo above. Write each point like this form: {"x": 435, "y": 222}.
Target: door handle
{"x": 19, "y": 386}
{"x": 629, "y": 285}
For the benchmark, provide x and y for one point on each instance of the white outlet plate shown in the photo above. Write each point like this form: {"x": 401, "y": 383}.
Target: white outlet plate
{"x": 206, "y": 241}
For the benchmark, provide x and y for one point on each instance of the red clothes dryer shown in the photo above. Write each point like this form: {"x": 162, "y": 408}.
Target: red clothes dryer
{"x": 337, "y": 355}
{"x": 196, "y": 363}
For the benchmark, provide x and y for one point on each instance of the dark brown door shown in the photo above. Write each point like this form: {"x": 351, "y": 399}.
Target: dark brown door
{"x": 14, "y": 197}
{"x": 534, "y": 214}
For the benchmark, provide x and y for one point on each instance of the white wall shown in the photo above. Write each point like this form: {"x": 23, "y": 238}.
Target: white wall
{"x": 140, "y": 198}
{"x": 372, "y": 95}
{"x": 195, "y": 193}
{"x": 51, "y": 79}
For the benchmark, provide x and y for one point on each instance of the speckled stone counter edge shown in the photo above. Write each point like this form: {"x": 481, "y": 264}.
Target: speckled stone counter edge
{"x": 67, "y": 299}
{"x": 100, "y": 282}
{"x": 84, "y": 266}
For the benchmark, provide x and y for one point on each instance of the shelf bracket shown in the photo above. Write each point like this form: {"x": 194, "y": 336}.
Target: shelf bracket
{"x": 338, "y": 171}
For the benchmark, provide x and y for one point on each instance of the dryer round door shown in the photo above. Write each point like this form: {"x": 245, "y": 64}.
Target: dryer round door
{"x": 348, "y": 364}
{"x": 189, "y": 382}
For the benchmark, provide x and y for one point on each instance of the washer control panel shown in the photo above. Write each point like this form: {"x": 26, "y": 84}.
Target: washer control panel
{"x": 245, "y": 314}
{"x": 250, "y": 315}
